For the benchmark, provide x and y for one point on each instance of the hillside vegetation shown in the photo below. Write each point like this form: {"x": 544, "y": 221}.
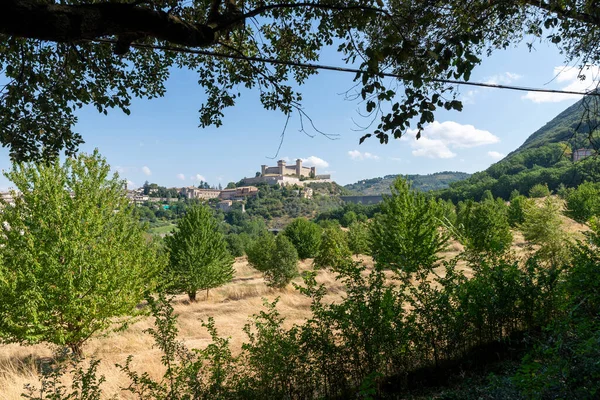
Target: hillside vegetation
{"x": 546, "y": 157}
{"x": 424, "y": 183}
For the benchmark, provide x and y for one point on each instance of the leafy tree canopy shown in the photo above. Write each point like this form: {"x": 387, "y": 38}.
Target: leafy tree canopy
{"x": 199, "y": 258}
{"x": 74, "y": 257}
{"x": 57, "y": 57}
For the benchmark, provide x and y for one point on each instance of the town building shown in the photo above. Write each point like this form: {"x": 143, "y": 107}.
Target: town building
{"x": 580, "y": 154}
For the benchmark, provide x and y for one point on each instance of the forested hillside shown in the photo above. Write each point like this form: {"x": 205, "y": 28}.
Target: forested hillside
{"x": 546, "y": 157}
{"x": 424, "y": 183}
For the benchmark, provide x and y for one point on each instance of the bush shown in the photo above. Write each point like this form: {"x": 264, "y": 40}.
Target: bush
{"x": 542, "y": 226}
{"x": 564, "y": 362}
{"x": 276, "y": 258}
{"x": 284, "y": 263}
{"x": 539, "y": 190}
{"x": 235, "y": 245}
{"x": 584, "y": 202}
{"x": 305, "y": 236}
{"x": 259, "y": 251}
{"x": 358, "y": 238}
{"x": 333, "y": 250}
{"x": 348, "y": 218}
{"x": 198, "y": 255}
{"x": 516, "y": 209}
{"x": 484, "y": 227}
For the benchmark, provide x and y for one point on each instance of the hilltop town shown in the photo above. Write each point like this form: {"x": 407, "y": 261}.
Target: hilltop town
{"x": 281, "y": 174}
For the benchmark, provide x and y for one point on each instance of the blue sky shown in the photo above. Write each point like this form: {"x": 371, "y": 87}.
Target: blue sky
{"x": 161, "y": 142}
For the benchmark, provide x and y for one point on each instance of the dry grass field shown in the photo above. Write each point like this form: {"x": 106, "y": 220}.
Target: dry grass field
{"x": 231, "y": 306}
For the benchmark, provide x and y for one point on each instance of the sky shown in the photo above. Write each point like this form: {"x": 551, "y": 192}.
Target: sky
{"x": 161, "y": 142}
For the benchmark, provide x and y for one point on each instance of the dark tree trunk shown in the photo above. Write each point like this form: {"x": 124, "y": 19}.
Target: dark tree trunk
{"x": 70, "y": 23}
{"x": 192, "y": 296}
{"x": 76, "y": 349}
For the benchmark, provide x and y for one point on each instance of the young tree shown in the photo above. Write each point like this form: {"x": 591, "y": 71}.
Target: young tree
{"x": 584, "y": 202}
{"x": 358, "y": 238}
{"x": 484, "y": 226}
{"x": 405, "y": 236}
{"x": 284, "y": 263}
{"x": 198, "y": 255}
{"x": 333, "y": 249}
{"x": 260, "y": 250}
{"x": 516, "y": 209}
{"x": 276, "y": 258}
{"x": 305, "y": 235}
{"x": 542, "y": 226}
{"x": 74, "y": 257}
{"x": 539, "y": 190}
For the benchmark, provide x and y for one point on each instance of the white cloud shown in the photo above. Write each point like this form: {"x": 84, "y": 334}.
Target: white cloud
{"x": 357, "y": 155}
{"x": 469, "y": 97}
{"x": 130, "y": 185}
{"x": 181, "y": 177}
{"x": 495, "y": 155}
{"x": 503, "y": 79}
{"x": 314, "y": 161}
{"x": 438, "y": 138}
{"x": 198, "y": 177}
{"x": 432, "y": 148}
{"x": 571, "y": 79}
{"x": 146, "y": 171}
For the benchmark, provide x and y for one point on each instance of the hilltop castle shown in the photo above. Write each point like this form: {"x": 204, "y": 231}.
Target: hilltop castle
{"x": 283, "y": 174}
{"x": 290, "y": 170}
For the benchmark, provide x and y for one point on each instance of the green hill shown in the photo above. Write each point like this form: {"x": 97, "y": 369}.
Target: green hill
{"x": 425, "y": 183}
{"x": 546, "y": 157}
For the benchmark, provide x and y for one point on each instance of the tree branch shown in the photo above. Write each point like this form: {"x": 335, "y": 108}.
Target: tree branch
{"x": 562, "y": 12}
{"x": 261, "y": 10}
{"x": 70, "y": 23}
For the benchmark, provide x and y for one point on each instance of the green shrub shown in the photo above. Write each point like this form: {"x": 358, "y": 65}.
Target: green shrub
{"x": 539, "y": 190}
{"x": 584, "y": 202}
{"x": 259, "y": 251}
{"x": 235, "y": 245}
{"x": 484, "y": 227}
{"x": 333, "y": 249}
{"x": 543, "y": 227}
{"x": 348, "y": 218}
{"x": 305, "y": 236}
{"x": 275, "y": 257}
{"x": 564, "y": 363}
{"x": 358, "y": 238}
{"x": 516, "y": 210}
{"x": 283, "y": 265}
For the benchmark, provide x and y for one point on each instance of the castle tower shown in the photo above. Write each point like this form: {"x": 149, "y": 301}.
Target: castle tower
{"x": 263, "y": 170}
{"x": 281, "y": 167}
{"x": 299, "y": 167}
{"x": 313, "y": 172}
